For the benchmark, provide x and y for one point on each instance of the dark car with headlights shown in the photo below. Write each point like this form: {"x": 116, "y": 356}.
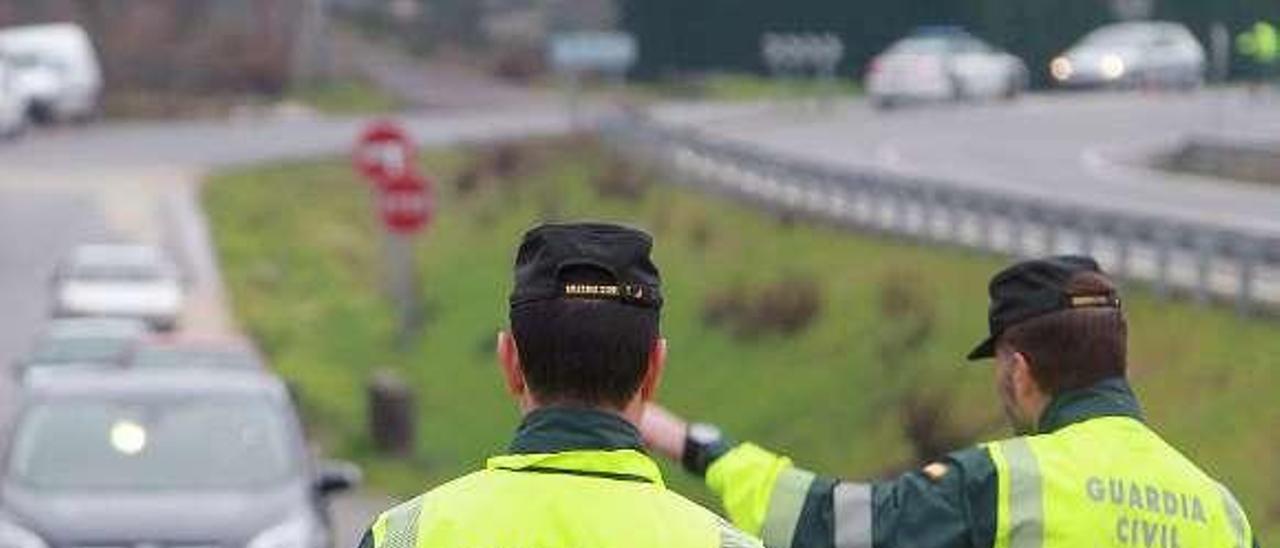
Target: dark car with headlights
{"x": 161, "y": 458}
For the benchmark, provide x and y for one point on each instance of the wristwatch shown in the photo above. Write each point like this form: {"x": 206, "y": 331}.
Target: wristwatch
{"x": 703, "y": 444}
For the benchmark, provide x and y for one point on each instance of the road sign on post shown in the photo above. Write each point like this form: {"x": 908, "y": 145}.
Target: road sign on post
{"x": 793, "y": 56}
{"x": 385, "y": 155}
{"x": 405, "y": 203}
{"x": 384, "y": 152}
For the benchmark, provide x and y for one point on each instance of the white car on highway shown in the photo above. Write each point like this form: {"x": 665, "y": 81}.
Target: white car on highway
{"x": 58, "y": 74}
{"x": 1139, "y": 53}
{"x": 943, "y": 63}
{"x": 119, "y": 280}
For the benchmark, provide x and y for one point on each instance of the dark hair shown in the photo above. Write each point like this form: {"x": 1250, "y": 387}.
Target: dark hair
{"x": 584, "y": 351}
{"x": 1072, "y": 349}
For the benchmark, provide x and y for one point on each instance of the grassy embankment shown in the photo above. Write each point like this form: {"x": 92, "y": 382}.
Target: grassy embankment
{"x": 873, "y": 377}
{"x": 346, "y": 96}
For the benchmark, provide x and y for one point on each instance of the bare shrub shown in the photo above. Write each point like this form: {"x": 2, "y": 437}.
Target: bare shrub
{"x": 619, "y": 180}
{"x": 784, "y": 307}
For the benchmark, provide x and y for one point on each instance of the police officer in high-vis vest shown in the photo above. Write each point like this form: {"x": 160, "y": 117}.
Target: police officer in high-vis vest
{"x": 582, "y": 357}
{"x": 1086, "y": 471}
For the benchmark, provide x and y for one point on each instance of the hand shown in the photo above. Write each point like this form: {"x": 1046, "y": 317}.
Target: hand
{"x": 663, "y": 431}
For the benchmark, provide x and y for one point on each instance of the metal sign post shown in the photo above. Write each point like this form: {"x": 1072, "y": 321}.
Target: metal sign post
{"x": 385, "y": 155}
{"x": 575, "y": 54}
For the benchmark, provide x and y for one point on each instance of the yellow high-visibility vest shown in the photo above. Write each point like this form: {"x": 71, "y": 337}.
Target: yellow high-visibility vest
{"x": 575, "y": 499}
{"x": 1109, "y": 481}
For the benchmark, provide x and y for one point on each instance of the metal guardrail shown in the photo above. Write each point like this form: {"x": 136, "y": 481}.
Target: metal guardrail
{"x": 1203, "y": 261}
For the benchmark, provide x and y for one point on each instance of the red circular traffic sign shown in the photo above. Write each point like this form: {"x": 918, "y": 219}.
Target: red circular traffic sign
{"x": 405, "y": 203}
{"x": 384, "y": 152}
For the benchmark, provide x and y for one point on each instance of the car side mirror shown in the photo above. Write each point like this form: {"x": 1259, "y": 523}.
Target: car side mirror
{"x": 337, "y": 476}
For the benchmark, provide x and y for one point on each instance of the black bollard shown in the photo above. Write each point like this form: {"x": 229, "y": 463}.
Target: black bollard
{"x": 392, "y": 414}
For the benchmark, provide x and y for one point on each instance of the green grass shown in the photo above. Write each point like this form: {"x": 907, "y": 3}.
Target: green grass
{"x": 300, "y": 251}
{"x": 745, "y": 87}
{"x": 351, "y": 96}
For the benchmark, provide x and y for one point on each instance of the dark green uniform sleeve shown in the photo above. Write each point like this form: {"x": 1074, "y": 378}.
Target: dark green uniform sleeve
{"x": 957, "y": 508}
{"x": 366, "y": 541}
{"x": 954, "y": 505}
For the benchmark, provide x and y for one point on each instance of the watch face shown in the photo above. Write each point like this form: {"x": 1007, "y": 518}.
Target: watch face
{"x": 703, "y": 433}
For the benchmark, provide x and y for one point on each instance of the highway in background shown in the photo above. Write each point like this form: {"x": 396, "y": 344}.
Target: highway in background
{"x": 1077, "y": 148}
{"x": 139, "y": 181}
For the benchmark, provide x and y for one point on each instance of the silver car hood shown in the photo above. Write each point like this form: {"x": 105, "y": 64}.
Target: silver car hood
{"x": 116, "y": 519}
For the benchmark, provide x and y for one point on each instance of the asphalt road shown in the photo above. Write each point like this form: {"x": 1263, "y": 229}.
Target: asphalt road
{"x": 140, "y": 181}
{"x": 1080, "y": 148}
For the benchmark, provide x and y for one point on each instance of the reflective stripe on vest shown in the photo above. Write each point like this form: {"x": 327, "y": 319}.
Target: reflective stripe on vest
{"x": 1235, "y": 516}
{"x": 852, "y": 507}
{"x": 785, "y": 504}
{"x": 400, "y": 526}
{"x": 1021, "y": 503}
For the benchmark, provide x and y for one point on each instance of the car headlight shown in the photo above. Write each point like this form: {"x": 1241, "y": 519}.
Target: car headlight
{"x": 1112, "y": 66}
{"x": 295, "y": 532}
{"x": 1060, "y": 68}
{"x": 15, "y": 536}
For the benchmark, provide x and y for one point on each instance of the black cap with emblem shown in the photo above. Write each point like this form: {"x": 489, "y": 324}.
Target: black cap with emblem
{"x": 620, "y": 254}
{"x": 1034, "y": 288}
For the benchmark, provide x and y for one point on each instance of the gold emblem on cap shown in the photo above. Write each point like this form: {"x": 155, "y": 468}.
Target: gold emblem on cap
{"x": 1094, "y": 300}
{"x": 589, "y": 290}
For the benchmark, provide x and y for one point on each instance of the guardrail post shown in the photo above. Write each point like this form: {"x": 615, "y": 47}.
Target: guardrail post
{"x": 985, "y": 211}
{"x": 1050, "y": 221}
{"x": 1086, "y": 229}
{"x": 928, "y": 200}
{"x": 901, "y": 216}
{"x": 1246, "y": 251}
{"x": 1017, "y": 229}
{"x": 1122, "y": 233}
{"x": 872, "y": 206}
{"x": 955, "y": 218}
{"x": 1204, "y": 242}
{"x": 1164, "y": 250}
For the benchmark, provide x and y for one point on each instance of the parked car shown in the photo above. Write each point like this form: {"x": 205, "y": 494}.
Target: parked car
{"x": 13, "y": 114}
{"x": 155, "y": 457}
{"x": 1146, "y": 53}
{"x": 81, "y": 342}
{"x": 59, "y": 76}
{"x": 943, "y": 63}
{"x": 168, "y": 352}
{"x": 119, "y": 280}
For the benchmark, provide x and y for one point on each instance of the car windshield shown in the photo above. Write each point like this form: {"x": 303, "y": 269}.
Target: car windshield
{"x": 923, "y": 45}
{"x": 207, "y": 443}
{"x": 122, "y": 272}
{"x": 1117, "y": 36}
{"x": 181, "y": 357}
{"x": 79, "y": 350}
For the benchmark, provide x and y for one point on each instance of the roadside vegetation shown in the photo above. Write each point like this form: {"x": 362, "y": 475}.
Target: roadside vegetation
{"x": 843, "y": 350}
{"x": 346, "y": 96}
{"x": 744, "y": 87}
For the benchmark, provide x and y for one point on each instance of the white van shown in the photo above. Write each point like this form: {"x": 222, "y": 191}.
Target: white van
{"x": 13, "y": 113}
{"x": 58, "y": 75}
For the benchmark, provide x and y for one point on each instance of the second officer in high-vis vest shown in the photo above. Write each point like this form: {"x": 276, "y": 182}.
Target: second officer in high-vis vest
{"x": 1087, "y": 472}
{"x": 583, "y": 355}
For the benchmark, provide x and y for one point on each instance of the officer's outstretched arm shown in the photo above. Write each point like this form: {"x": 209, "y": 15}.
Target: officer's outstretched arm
{"x": 948, "y": 503}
